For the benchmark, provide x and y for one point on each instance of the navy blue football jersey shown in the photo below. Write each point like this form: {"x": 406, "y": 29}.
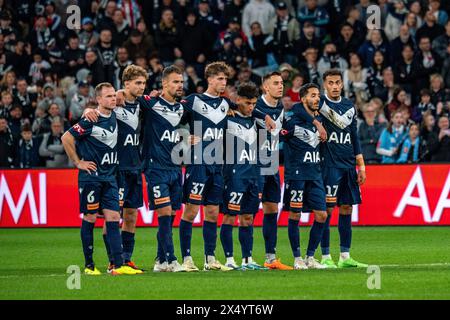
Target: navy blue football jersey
{"x": 128, "y": 136}
{"x": 160, "y": 132}
{"x": 301, "y": 139}
{"x": 97, "y": 142}
{"x": 269, "y": 146}
{"x": 210, "y": 113}
{"x": 339, "y": 120}
{"x": 241, "y": 147}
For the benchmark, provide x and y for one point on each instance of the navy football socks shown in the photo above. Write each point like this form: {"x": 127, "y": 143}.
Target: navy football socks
{"x": 108, "y": 249}
{"x": 128, "y": 245}
{"x": 270, "y": 231}
{"x": 115, "y": 242}
{"x": 315, "y": 235}
{"x": 209, "y": 237}
{"x": 345, "y": 232}
{"x": 226, "y": 238}
{"x": 245, "y": 240}
{"x": 294, "y": 237}
{"x": 325, "y": 242}
{"x": 165, "y": 237}
{"x": 87, "y": 240}
{"x": 185, "y": 237}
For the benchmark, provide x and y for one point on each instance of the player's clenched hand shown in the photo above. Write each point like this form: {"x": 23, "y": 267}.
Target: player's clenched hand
{"x": 270, "y": 124}
{"x": 88, "y": 166}
{"x": 361, "y": 177}
{"x": 193, "y": 140}
{"x": 90, "y": 114}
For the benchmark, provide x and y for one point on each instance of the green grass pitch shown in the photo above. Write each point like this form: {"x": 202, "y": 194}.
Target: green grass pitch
{"x": 414, "y": 264}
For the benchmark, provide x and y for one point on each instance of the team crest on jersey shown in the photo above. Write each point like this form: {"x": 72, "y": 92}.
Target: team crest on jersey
{"x": 215, "y": 115}
{"x": 106, "y": 137}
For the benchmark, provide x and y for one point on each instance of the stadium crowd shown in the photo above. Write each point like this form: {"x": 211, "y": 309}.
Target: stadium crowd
{"x": 398, "y": 75}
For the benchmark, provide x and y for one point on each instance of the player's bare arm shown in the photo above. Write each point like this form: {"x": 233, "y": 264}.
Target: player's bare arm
{"x": 68, "y": 142}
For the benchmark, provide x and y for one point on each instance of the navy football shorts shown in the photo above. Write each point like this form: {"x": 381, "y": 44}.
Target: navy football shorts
{"x": 341, "y": 186}
{"x": 270, "y": 188}
{"x": 241, "y": 196}
{"x": 97, "y": 195}
{"x": 203, "y": 184}
{"x": 164, "y": 188}
{"x": 304, "y": 195}
{"x": 130, "y": 188}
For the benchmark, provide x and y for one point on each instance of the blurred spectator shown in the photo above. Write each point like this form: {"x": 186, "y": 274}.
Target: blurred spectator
{"x": 425, "y": 104}
{"x": 347, "y": 42}
{"x": 50, "y": 97}
{"x": 193, "y": 38}
{"x": 398, "y": 44}
{"x": 79, "y": 101}
{"x": 122, "y": 61}
{"x": 27, "y": 149}
{"x": 413, "y": 22}
{"x": 427, "y": 61}
{"x": 354, "y": 19}
{"x": 15, "y": 120}
{"x": 331, "y": 60}
{"x": 378, "y": 105}
{"x": 105, "y": 15}
{"x": 88, "y": 37}
{"x": 441, "y": 42}
{"x": 308, "y": 39}
{"x": 261, "y": 57}
{"x": 406, "y": 70}
{"x": 168, "y": 38}
{"x": 446, "y": 68}
{"x": 312, "y": 12}
{"x": 355, "y": 81}
{"x": 375, "y": 44}
{"x": 399, "y": 100}
{"x": 310, "y": 68}
{"x": 427, "y": 131}
{"x": 439, "y": 143}
{"x": 441, "y": 15}
{"x": 6, "y": 104}
{"x": 410, "y": 150}
{"x": 27, "y": 100}
{"x": 73, "y": 56}
{"x": 95, "y": 67}
{"x": 131, "y": 11}
{"x": 233, "y": 10}
{"x": 139, "y": 44}
{"x": 391, "y": 138}
{"x": 285, "y": 30}
{"x": 41, "y": 35}
{"x": 430, "y": 28}
{"x": 439, "y": 95}
{"x": 369, "y": 132}
{"x": 294, "y": 92}
{"x": 7, "y": 145}
{"x": 38, "y": 67}
{"x": 261, "y": 11}
{"x": 395, "y": 19}
{"x": 106, "y": 53}
{"x": 51, "y": 147}
{"x": 20, "y": 59}
{"x": 121, "y": 29}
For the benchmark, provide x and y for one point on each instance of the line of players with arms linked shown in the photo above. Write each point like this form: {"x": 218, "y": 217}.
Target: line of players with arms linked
{"x": 321, "y": 151}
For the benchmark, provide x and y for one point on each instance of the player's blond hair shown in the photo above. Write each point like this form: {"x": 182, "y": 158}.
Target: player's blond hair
{"x": 132, "y": 72}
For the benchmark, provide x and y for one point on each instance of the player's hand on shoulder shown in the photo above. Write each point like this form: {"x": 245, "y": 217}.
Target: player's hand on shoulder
{"x": 322, "y": 132}
{"x": 270, "y": 124}
{"x": 230, "y": 112}
{"x": 90, "y": 114}
{"x": 88, "y": 166}
{"x": 120, "y": 97}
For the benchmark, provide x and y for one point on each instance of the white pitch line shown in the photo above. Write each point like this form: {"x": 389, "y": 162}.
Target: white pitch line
{"x": 415, "y": 265}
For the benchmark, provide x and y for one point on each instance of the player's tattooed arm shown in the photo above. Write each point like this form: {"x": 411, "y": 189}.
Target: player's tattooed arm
{"x": 68, "y": 142}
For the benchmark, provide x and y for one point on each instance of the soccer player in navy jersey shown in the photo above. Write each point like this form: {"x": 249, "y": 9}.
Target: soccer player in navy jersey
{"x": 206, "y": 115}
{"x": 93, "y": 149}
{"x": 303, "y": 177}
{"x": 129, "y": 175}
{"x": 340, "y": 154}
{"x": 241, "y": 174}
{"x": 269, "y": 180}
{"x": 162, "y": 116}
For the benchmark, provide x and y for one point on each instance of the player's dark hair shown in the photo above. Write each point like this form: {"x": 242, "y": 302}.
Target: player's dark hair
{"x": 132, "y": 72}
{"x": 270, "y": 75}
{"x": 100, "y": 86}
{"x": 332, "y": 72}
{"x": 305, "y": 88}
{"x": 214, "y": 68}
{"x": 169, "y": 70}
{"x": 248, "y": 90}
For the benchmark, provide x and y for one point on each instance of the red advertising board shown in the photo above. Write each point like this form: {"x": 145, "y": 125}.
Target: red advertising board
{"x": 392, "y": 195}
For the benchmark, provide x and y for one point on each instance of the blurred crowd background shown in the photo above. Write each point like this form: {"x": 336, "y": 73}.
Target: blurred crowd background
{"x": 398, "y": 75}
